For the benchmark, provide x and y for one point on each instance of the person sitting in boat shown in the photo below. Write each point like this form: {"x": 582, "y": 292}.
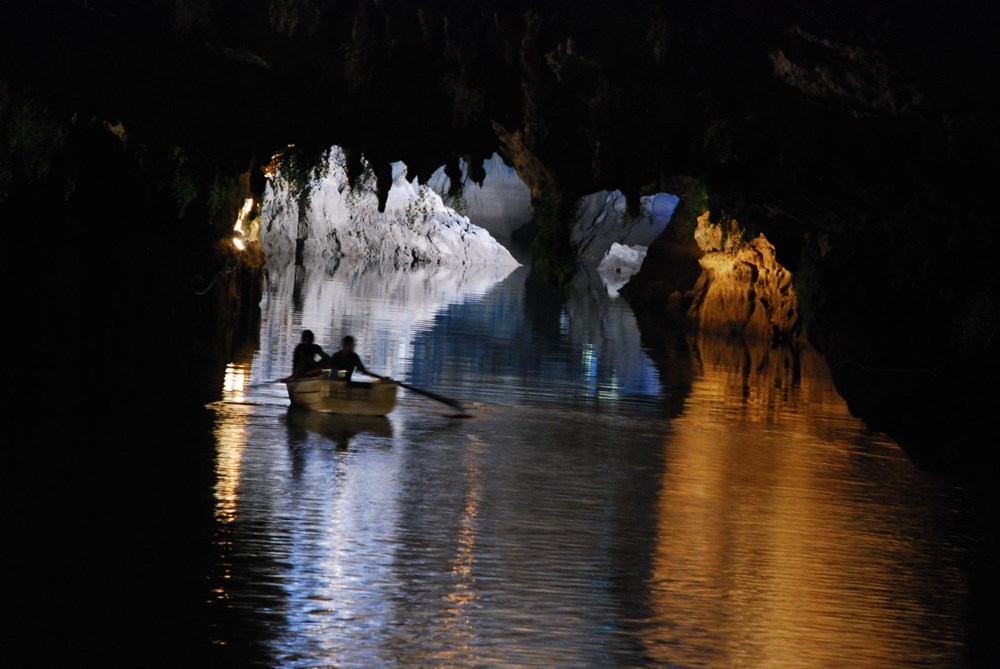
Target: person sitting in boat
{"x": 345, "y": 361}
{"x": 304, "y": 360}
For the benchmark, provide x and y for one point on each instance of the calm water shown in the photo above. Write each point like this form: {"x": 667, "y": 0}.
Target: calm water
{"x": 719, "y": 507}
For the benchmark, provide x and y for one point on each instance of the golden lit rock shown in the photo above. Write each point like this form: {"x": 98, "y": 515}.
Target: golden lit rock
{"x": 742, "y": 289}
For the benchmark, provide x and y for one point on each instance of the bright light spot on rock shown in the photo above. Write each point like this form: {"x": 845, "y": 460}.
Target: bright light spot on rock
{"x": 244, "y": 212}
{"x": 242, "y": 234}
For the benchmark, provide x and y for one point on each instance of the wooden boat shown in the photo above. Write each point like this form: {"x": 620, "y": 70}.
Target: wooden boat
{"x": 332, "y": 395}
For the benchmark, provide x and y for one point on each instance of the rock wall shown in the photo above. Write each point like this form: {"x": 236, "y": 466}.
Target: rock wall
{"x": 743, "y": 289}
{"x": 718, "y": 280}
{"x": 603, "y": 219}
{"x": 499, "y": 202}
{"x": 330, "y": 217}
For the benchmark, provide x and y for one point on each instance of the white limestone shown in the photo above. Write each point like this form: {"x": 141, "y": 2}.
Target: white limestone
{"x": 501, "y": 204}
{"x": 619, "y": 264}
{"x": 334, "y": 220}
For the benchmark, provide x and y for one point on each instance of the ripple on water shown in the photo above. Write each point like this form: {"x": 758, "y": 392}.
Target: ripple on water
{"x": 722, "y": 509}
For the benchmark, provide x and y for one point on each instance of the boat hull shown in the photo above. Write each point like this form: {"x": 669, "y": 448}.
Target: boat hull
{"x": 349, "y": 398}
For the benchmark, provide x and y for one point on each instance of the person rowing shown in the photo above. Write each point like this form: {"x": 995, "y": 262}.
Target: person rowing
{"x": 345, "y": 361}
{"x": 304, "y": 359}
{"x": 342, "y": 365}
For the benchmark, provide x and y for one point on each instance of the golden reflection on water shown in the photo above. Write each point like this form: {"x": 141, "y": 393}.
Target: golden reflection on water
{"x": 458, "y": 626}
{"x": 236, "y": 380}
{"x": 231, "y": 437}
{"x": 774, "y": 531}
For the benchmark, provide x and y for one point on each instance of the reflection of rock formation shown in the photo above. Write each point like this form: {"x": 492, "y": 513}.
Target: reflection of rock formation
{"x": 532, "y": 342}
{"x": 500, "y": 204}
{"x": 788, "y": 536}
{"x": 339, "y": 220}
{"x": 466, "y": 327}
{"x": 606, "y": 330}
{"x": 381, "y": 306}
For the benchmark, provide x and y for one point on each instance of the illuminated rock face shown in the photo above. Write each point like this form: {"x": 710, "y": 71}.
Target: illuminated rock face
{"x": 500, "y": 204}
{"x": 743, "y": 289}
{"x": 710, "y": 277}
{"x": 602, "y": 220}
{"x": 332, "y": 219}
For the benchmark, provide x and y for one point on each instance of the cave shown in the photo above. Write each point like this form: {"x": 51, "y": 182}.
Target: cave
{"x": 846, "y": 144}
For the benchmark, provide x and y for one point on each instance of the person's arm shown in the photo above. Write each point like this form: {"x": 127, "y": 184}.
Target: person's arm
{"x": 357, "y": 363}
{"x": 324, "y": 359}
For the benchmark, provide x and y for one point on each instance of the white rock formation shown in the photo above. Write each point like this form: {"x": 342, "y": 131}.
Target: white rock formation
{"x": 333, "y": 220}
{"x": 619, "y": 264}
{"x": 501, "y": 204}
{"x": 602, "y": 220}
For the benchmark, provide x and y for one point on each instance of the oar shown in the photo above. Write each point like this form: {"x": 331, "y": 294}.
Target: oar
{"x": 270, "y": 382}
{"x": 426, "y": 393}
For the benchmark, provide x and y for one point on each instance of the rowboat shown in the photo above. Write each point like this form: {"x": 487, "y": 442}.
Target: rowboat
{"x": 327, "y": 394}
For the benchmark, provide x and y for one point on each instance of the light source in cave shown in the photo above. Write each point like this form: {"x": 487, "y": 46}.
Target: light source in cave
{"x": 244, "y": 232}
{"x": 272, "y": 167}
{"x": 242, "y": 217}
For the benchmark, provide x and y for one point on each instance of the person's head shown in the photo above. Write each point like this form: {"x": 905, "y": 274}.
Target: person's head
{"x": 307, "y": 336}
{"x": 348, "y": 344}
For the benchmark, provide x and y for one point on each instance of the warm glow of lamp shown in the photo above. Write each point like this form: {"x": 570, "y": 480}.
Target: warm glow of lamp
{"x": 244, "y": 212}
{"x": 241, "y": 232}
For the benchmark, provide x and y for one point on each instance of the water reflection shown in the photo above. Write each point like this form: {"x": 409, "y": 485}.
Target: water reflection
{"x": 717, "y": 508}
{"x": 789, "y": 536}
{"x": 472, "y": 331}
{"x": 382, "y": 306}
{"x": 531, "y": 343}
{"x": 231, "y": 438}
{"x": 339, "y": 430}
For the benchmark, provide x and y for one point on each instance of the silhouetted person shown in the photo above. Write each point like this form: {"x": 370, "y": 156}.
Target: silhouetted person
{"x": 346, "y": 360}
{"x": 304, "y": 361}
